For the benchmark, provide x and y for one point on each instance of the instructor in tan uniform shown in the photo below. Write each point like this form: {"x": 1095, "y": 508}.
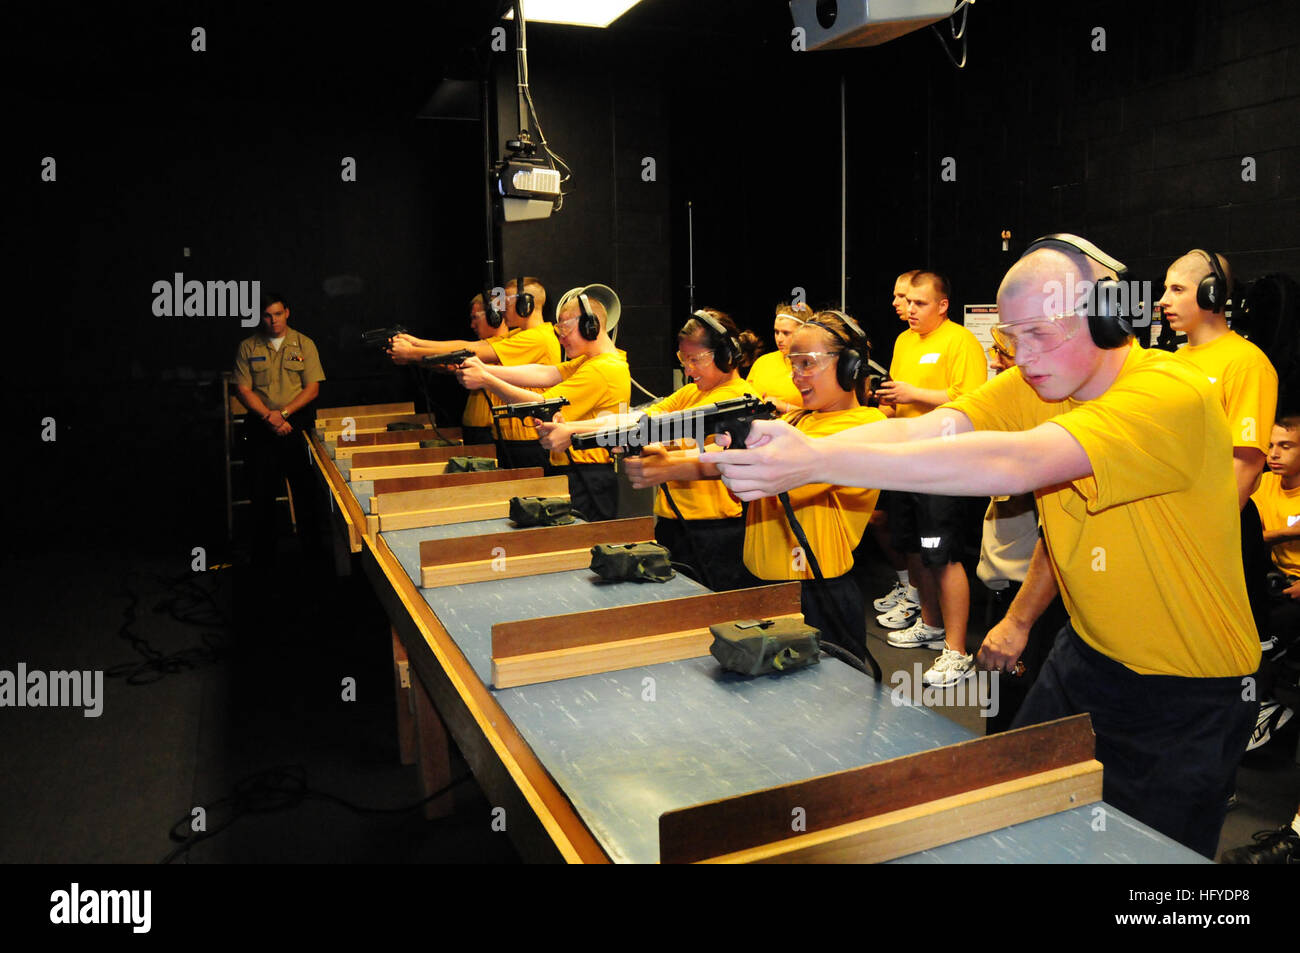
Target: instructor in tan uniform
{"x": 277, "y": 376}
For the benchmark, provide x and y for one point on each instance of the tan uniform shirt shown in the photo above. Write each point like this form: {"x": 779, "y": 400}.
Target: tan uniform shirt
{"x": 278, "y": 376}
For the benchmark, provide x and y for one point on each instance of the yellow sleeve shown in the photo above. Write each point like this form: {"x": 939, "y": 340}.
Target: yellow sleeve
{"x": 1144, "y": 437}
{"x": 677, "y": 400}
{"x": 968, "y": 371}
{"x": 587, "y": 389}
{"x": 997, "y": 404}
{"x": 1250, "y": 399}
{"x": 529, "y": 346}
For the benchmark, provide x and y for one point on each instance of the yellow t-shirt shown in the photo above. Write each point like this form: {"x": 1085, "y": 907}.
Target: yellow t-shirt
{"x": 594, "y": 386}
{"x": 949, "y": 358}
{"x": 1279, "y": 509}
{"x": 1146, "y": 550}
{"x": 833, "y": 517}
{"x": 537, "y": 345}
{"x": 699, "y": 499}
{"x": 1245, "y": 382}
{"x": 770, "y": 376}
{"x": 478, "y": 412}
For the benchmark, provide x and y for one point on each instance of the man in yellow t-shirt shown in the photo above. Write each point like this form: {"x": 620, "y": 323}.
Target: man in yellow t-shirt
{"x": 1278, "y": 499}
{"x": 1197, "y": 288}
{"x": 1128, "y": 453}
{"x": 530, "y": 340}
{"x": 934, "y": 361}
{"x": 1243, "y": 377}
{"x": 595, "y": 380}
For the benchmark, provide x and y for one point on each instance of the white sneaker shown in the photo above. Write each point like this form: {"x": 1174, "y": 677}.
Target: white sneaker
{"x": 916, "y": 635}
{"x": 899, "y": 617}
{"x": 949, "y": 669}
{"x": 899, "y": 594}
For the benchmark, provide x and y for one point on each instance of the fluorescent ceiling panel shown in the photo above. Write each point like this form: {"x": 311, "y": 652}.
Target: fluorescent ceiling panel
{"x": 599, "y": 13}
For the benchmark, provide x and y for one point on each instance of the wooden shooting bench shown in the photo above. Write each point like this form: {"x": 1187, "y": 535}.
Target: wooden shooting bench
{"x": 593, "y": 714}
{"x": 341, "y": 449}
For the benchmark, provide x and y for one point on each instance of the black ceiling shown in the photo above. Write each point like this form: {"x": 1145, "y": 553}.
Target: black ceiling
{"x": 292, "y": 55}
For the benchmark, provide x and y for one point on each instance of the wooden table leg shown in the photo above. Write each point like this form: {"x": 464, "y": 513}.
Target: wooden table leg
{"x": 406, "y": 738}
{"x": 433, "y": 751}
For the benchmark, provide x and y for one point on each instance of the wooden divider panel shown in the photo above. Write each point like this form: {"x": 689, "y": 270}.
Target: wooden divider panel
{"x": 525, "y": 552}
{"x": 750, "y": 821}
{"x": 603, "y": 640}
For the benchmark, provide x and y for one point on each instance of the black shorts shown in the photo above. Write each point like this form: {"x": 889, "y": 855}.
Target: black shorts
{"x": 934, "y": 526}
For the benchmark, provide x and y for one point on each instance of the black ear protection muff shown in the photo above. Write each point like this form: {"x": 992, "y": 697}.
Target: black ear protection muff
{"x": 523, "y": 300}
{"x": 1212, "y": 292}
{"x": 850, "y": 363}
{"x": 726, "y": 349}
{"x": 588, "y": 323}
{"x": 1110, "y": 318}
{"x": 490, "y": 313}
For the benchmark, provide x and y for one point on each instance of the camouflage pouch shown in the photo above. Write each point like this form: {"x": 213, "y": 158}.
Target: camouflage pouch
{"x": 399, "y": 425}
{"x": 765, "y": 647}
{"x": 435, "y": 442}
{"x": 541, "y": 511}
{"x": 643, "y": 562}
{"x": 470, "y": 464}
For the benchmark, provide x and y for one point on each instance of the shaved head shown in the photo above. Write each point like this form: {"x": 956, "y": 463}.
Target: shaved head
{"x": 1194, "y": 266}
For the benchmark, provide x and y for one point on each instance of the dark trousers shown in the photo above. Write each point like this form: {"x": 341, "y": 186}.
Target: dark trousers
{"x": 593, "y": 489}
{"x": 519, "y": 454}
{"x": 476, "y": 435}
{"x": 836, "y": 608}
{"x": 1013, "y": 689}
{"x": 269, "y": 460}
{"x": 1170, "y": 745}
{"x": 712, "y": 549}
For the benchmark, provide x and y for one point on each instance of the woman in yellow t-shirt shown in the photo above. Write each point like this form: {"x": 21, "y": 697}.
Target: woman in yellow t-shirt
{"x": 828, "y": 359}
{"x": 697, "y": 519}
{"x": 770, "y": 374}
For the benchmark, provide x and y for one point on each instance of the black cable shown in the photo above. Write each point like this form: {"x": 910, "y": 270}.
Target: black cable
{"x": 701, "y": 572}
{"x": 845, "y": 629}
{"x": 428, "y": 402}
{"x": 182, "y": 608}
{"x": 281, "y": 788}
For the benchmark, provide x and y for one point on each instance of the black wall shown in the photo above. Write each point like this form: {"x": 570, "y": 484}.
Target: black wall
{"x": 237, "y": 156}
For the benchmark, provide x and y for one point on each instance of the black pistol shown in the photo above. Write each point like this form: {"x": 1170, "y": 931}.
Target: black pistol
{"x": 732, "y": 417}
{"x": 539, "y": 409}
{"x": 379, "y": 337}
{"x": 451, "y": 357}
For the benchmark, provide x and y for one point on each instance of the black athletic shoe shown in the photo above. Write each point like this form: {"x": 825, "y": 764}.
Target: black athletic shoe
{"x": 1281, "y": 846}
